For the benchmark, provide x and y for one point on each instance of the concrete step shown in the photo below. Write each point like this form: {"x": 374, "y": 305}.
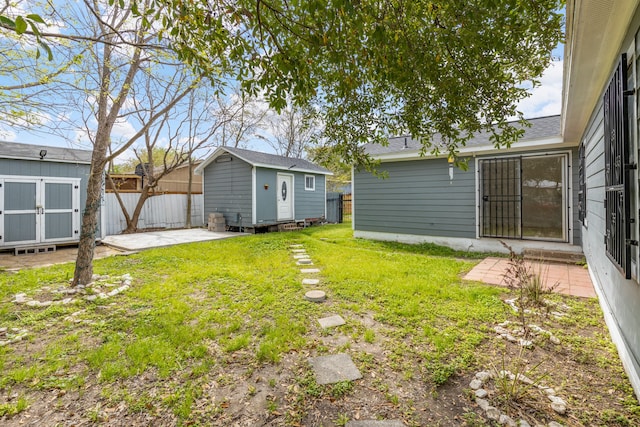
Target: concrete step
{"x": 546, "y": 255}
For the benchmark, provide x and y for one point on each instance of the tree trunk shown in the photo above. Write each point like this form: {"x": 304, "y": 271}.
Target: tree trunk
{"x": 187, "y": 223}
{"x": 132, "y": 226}
{"x": 88, "y": 232}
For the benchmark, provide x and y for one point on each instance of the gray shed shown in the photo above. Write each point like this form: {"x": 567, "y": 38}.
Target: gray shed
{"x": 42, "y": 192}
{"x": 255, "y": 190}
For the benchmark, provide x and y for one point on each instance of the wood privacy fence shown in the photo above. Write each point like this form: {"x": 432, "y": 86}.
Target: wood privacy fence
{"x": 163, "y": 211}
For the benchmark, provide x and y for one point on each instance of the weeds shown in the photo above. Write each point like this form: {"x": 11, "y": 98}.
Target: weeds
{"x": 515, "y": 380}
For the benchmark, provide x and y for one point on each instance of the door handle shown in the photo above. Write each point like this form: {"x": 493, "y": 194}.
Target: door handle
{"x": 485, "y": 198}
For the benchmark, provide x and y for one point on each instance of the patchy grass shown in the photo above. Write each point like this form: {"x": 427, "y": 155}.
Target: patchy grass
{"x": 218, "y": 333}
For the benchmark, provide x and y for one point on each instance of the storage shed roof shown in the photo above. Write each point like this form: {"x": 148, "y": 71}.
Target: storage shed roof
{"x": 542, "y": 128}
{"x": 265, "y": 160}
{"x": 14, "y": 150}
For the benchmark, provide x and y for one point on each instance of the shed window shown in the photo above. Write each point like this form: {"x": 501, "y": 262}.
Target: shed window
{"x": 617, "y": 183}
{"x": 310, "y": 182}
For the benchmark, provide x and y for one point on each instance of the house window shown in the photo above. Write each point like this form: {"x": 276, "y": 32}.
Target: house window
{"x": 617, "y": 167}
{"x": 310, "y": 182}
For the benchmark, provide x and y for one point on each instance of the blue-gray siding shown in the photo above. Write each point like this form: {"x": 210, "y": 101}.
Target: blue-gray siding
{"x": 227, "y": 189}
{"x": 621, "y": 295}
{"x": 309, "y": 204}
{"x": 418, "y": 198}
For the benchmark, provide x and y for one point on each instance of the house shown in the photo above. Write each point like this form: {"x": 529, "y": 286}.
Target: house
{"x": 257, "y": 190}
{"x": 600, "y": 112}
{"x": 576, "y": 176}
{"x": 42, "y": 194}
{"x": 524, "y": 195}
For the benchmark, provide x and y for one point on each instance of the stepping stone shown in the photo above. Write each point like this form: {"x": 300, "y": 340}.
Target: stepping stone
{"x": 335, "y": 368}
{"x": 310, "y": 281}
{"x": 375, "y": 423}
{"x": 315, "y": 296}
{"x": 295, "y": 246}
{"x": 309, "y": 270}
{"x": 305, "y": 261}
{"x": 301, "y": 256}
{"x": 298, "y": 251}
{"x": 331, "y": 321}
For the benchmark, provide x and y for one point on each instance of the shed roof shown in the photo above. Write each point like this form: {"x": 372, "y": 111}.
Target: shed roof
{"x": 265, "y": 160}
{"x": 14, "y": 150}
{"x": 542, "y": 128}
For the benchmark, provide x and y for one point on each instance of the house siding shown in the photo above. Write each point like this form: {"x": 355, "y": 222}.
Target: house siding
{"x": 266, "y": 204}
{"x": 227, "y": 189}
{"x": 309, "y": 204}
{"x": 417, "y": 197}
{"x": 619, "y": 296}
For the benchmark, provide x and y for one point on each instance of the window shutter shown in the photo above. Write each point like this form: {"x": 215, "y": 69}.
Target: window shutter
{"x": 616, "y": 153}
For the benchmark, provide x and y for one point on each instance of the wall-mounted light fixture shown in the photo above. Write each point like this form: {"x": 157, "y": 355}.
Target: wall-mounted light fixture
{"x": 42, "y": 154}
{"x": 266, "y": 186}
{"x": 451, "y": 160}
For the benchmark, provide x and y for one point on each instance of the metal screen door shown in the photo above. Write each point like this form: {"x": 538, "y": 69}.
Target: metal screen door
{"x": 501, "y": 197}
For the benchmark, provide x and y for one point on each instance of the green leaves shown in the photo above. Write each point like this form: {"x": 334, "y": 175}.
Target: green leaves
{"x": 21, "y": 24}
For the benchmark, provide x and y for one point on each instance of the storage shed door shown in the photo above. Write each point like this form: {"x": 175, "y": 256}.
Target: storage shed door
{"x": 38, "y": 210}
{"x": 284, "y": 196}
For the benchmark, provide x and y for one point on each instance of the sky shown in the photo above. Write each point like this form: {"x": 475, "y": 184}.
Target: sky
{"x": 545, "y": 100}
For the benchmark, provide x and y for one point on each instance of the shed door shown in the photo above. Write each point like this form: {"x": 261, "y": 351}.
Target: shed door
{"x": 38, "y": 210}
{"x": 285, "y": 197}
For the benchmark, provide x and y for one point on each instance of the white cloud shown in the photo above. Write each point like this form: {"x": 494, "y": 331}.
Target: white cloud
{"x": 546, "y": 99}
{"x": 123, "y": 129}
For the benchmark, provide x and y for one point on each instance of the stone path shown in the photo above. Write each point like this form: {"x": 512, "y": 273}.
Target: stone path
{"x": 334, "y": 368}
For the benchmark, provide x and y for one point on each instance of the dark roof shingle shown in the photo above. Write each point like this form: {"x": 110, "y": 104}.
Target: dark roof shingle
{"x": 279, "y": 162}
{"x": 14, "y": 150}
{"x": 541, "y": 127}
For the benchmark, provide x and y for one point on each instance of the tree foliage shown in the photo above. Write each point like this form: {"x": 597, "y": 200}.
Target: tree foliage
{"x": 377, "y": 67}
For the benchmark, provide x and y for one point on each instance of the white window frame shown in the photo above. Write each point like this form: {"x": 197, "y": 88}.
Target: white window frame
{"x": 312, "y": 188}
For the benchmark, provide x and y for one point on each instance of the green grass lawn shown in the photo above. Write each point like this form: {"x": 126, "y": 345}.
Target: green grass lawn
{"x": 208, "y": 325}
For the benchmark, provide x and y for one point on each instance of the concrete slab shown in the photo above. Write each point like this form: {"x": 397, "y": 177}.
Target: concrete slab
{"x": 158, "y": 239}
{"x": 311, "y": 282}
{"x": 335, "y": 368}
{"x": 309, "y": 270}
{"x": 331, "y": 321}
{"x": 306, "y": 261}
{"x": 62, "y": 254}
{"x": 298, "y": 251}
{"x": 375, "y": 423}
{"x": 301, "y": 256}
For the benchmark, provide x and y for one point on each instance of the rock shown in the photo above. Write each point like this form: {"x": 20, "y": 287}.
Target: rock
{"x": 91, "y": 297}
{"x": 33, "y": 303}
{"x": 504, "y": 324}
{"x": 481, "y": 393}
{"x": 475, "y": 384}
{"x": 20, "y": 298}
{"x": 67, "y": 301}
{"x": 554, "y": 424}
{"x": 549, "y": 391}
{"x": 482, "y": 403}
{"x": 3, "y": 343}
{"x": 507, "y": 420}
{"x": 483, "y": 376}
{"x": 493, "y": 413}
{"x": 46, "y": 303}
{"x": 559, "y": 408}
{"x": 556, "y": 399}
{"x": 511, "y": 338}
{"x": 3, "y": 331}
{"x": 500, "y": 330}
{"x": 126, "y": 276}
{"x": 523, "y": 423}
{"x": 554, "y": 339}
{"x": 525, "y": 379}
{"x": 126, "y": 282}
{"x": 525, "y": 343}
